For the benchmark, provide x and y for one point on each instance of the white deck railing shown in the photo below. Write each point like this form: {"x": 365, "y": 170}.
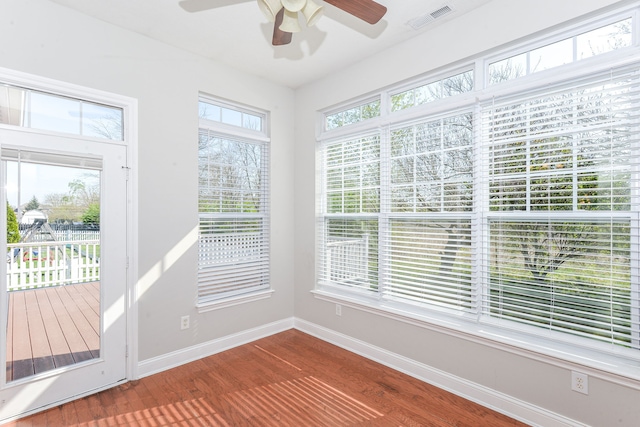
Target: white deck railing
{"x": 42, "y": 264}
{"x": 347, "y": 259}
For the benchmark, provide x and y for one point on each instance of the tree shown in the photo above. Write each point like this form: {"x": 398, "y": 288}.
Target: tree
{"x": 13, "y": 232}
{"x": 32, "y": 205}
{"x": 83, "y": 194}
{"x": 92, "y": 214}
{"x": 72, "y": 205}
{"x": 108, "y": 125}
{"x": 230, "y": 175}
{"x": 61, "y": 208}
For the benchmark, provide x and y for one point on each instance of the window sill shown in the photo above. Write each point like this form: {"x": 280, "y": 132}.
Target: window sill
{"x": 623, "y": 370}
{"x": 236, "y": 300}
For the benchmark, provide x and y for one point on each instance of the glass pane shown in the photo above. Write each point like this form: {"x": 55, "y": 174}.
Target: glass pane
{"x": 101, "y": 121}
{"x": 430, "y": 261}
{"x": 230, "y": 176}
{"x": 551, "y": 56}
{"x": 350, "y": 257}
{"x": 402, "y": 100}
{"x": 334, "y": 121}
{"x": 231, "y": 117}
{"x": 604, "y": 39}
{"x": 353, "y": 175}
{"x": 508, "y": 69}
{"x": 12, "y": 105}
{"x": 54, "y": 113}
{"x": 252, "y": 122}
{"x": 208, "y": 111}
{"x": 53, "y": 267}
{"x": 569, "y": 276}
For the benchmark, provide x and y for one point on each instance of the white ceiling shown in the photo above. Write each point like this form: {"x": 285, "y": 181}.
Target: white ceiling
{"x": 235, "y": 32}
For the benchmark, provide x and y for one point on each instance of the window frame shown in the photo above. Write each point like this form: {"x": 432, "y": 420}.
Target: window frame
{"x": 558, "y": 348}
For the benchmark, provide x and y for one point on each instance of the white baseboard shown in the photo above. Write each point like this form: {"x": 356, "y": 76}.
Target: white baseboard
{"x": 189, "y": 354}
{"x": 499, "y": 402}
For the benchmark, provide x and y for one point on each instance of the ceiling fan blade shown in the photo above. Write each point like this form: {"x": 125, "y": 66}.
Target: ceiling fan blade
{"x": 367, "y": 10}
{"x": 280, "y": 37}
{"x": 201, "y": 5}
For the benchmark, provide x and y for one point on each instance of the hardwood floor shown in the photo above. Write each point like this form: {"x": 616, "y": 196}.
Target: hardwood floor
{"x": 52, "y": 327}
{"x": 288, "y": 379}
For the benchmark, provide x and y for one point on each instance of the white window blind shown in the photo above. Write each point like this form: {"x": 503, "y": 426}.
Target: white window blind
{"x": 562, "y": 218}
{"x": 349, "y": 230}
{"x": 234, "y": 221}
{"x": 427, "y": 237}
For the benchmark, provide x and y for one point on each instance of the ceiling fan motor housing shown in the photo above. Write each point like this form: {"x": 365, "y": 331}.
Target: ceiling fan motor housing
{"x": 293, "y": 5}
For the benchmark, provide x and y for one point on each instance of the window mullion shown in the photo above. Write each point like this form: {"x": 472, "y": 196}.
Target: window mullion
{"x": 479, "y": 236}
{"x": 384, "y": 234}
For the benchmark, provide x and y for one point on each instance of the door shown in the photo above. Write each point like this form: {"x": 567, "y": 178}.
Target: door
{"x": 64, "y": 280}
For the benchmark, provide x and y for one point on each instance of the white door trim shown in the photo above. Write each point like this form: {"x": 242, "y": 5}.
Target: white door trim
{"x": 129, "y": 106}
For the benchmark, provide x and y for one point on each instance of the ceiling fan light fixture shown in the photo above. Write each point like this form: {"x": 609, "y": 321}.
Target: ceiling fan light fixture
{"x": 293, "y": 5}
{"x": 270, "y": 8}
{"x": 290, "y": 22}
{"x": 312, "y": 12}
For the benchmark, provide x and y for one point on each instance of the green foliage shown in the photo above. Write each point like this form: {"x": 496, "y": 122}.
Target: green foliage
{"x": 13, "y": 232}
{"x": 32, "y": 205}
{"x": 92, "y": 214}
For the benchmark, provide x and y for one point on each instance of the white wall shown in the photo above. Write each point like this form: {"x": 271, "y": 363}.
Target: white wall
{"x": 43, "y": 38}
{"x": 536, "y": 383}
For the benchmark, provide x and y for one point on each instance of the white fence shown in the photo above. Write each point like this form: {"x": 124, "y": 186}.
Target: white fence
{"x": 347, "y": 260}
{"x": 42, "y": 264}
{"x": 222, "y": 248}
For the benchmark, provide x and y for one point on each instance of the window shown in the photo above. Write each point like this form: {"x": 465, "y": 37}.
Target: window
{"x": 517, "y": 210}
{"x": 49, "y": 112}
{"x": 561, "y": 220}
{"x": 352, "y": 115}
{"x": 440, "y": 89}
{"x": 585, "y": 45}
{"x": 235, "y": 116}
{"x": 233, "y": 206}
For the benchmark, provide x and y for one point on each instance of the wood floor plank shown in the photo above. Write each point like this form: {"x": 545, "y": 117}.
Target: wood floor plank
{"x": 42, "y": 356}
{"x": 60, "y": 350}
{"x": 9, "y": 352}
{"x": 88, "y": 301}
{"x": 22, "y": 354}
{"x": 88, "y": 335}
{"x": 288, "y": 379}
{"x": 77, "y": 345}
{"x": 91, "y": 316}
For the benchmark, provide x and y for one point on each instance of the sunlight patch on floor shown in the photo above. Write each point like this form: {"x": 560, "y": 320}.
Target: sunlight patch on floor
{"x": 296, "y": 402}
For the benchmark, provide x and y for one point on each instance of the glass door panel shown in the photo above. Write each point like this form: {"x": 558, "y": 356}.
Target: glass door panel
{"x": 53, "y": 263}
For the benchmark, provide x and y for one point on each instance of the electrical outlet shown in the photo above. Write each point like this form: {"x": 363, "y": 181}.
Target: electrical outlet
{"x": 338, "y": 310}
{"x": 184, "y": 322}
{"x": 580, "y": 382}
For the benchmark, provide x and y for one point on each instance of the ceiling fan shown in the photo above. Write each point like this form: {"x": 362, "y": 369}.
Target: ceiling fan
{"x": 284, "y": 13}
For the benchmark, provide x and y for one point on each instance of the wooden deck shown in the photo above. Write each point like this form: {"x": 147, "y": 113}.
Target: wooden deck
{"x": 52, "y": 327}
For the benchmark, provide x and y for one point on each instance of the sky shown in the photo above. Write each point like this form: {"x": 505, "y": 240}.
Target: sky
{"x": 41, "y": 180}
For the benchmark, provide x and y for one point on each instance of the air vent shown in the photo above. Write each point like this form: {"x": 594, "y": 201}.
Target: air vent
{"x": 423, "y": 20}
{"x": 442, "y": 11}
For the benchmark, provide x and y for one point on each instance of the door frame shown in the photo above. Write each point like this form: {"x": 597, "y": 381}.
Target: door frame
{"x": 129, "y": 107}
